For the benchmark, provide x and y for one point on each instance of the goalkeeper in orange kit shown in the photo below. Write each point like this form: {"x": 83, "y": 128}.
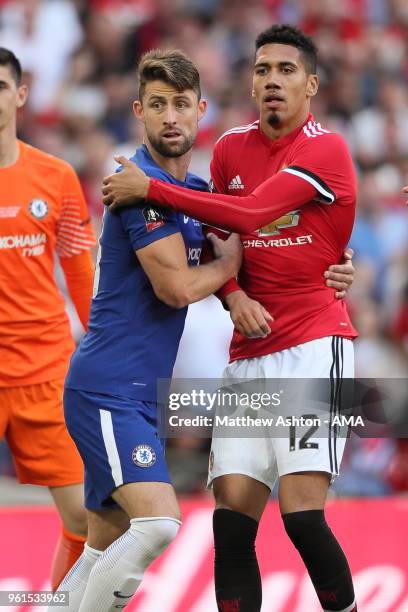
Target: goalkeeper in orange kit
{"x": 42, "y": 213}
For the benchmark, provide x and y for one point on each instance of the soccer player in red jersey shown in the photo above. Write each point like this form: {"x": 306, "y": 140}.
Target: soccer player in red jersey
{"x": 295, "y": 209}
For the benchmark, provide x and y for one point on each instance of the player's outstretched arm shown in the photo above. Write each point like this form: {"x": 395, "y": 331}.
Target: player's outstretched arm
{"x": 175, "y": 282}
{"x": 341, "y": 276}
{"x": 276, "y": 196}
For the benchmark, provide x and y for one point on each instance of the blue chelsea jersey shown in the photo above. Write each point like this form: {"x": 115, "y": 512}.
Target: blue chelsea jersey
{"x": 133, "y": 337}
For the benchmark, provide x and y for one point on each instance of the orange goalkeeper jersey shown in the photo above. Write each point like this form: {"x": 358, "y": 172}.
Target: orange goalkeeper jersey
{"x": 42, "y": 213}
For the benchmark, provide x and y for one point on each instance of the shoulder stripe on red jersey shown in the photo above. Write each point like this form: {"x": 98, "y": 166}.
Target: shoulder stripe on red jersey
{"x": 240, "y": 129}
{"x": 319, "y": 127}
{"x": 243, "y": 127}
{"x": 328, "y": 196}
{"x": 313, "y": 129}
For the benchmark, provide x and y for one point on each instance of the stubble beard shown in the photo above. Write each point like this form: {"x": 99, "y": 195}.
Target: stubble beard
{"x": 160, "y": 145}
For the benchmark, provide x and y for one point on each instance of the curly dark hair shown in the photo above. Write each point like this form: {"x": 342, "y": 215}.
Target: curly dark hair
{"x": 7, "y": 58}
{"x": 284, "y": 34}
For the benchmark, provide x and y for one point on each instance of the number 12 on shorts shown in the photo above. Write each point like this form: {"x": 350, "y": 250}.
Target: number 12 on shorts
{"x": 303, "y": 442}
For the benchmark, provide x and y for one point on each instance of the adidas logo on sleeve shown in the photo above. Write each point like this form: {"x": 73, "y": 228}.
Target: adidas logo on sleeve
{"x": 236, "y": 183}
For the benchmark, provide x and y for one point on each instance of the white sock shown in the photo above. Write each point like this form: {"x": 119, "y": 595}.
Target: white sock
{"x": 349, "y": 608}
{"x": 119, "y": 570}
{"x": 76, "y": 579}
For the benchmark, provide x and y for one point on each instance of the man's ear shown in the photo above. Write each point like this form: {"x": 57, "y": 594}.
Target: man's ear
{"x": 202, "y": 108}
{"x": 312, "y": 85}
{"x": 138, "y": 110}
{"x": 22, "y": 94}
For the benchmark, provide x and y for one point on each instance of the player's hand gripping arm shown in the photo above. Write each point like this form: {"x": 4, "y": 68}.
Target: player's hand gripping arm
{"x": 178, "y": 284}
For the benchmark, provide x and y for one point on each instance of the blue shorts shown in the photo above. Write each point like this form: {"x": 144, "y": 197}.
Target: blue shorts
{"x": 117, "y": 440}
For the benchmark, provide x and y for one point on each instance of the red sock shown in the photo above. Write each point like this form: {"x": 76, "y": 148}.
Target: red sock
{"x": 69, "y": 549}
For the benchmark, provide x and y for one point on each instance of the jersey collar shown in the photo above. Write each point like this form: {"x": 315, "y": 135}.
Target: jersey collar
{"x": 275, "y": 145}
{"x": 144, "y": 152}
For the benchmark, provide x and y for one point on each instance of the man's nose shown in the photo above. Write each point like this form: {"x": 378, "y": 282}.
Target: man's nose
{"x": 274, "y": 80}
{"x": 170, "y": 117}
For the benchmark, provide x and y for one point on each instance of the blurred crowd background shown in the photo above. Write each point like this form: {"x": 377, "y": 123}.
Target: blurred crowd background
{"x": 79, "y": 59}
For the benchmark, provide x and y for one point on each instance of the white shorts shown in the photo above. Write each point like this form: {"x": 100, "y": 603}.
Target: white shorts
{"x": 298, "y": 449}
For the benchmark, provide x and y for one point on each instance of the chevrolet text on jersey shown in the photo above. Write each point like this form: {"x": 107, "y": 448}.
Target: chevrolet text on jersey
{"x": 300, "y": 189}
{"x": 282, "y": 242}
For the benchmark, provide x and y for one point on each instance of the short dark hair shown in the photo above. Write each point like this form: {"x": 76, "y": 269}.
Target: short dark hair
{"x": 172, "y": 67}
{"x": 284, "y": 34}
{"x": 7, "y": 58}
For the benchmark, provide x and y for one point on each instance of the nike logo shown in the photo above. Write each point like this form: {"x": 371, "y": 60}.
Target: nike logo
{"x": 120, "y": 596}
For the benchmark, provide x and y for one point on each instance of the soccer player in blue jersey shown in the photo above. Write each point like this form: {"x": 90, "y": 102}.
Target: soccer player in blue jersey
{"x": 147, "y": 273}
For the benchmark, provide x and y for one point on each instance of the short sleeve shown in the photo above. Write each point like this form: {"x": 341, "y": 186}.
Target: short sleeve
{"x": 325, "y": 162}
{"x": 74, "y": 227}
{"x": 148, "y": 224}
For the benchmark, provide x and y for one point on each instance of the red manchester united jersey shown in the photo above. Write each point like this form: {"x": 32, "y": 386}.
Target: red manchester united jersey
{"x": 293, "y": 202}
{"x": 284, "y": 261}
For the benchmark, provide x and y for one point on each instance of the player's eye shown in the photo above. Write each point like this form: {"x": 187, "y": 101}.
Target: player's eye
{"x": 182, "y": 104}
{"x": 260, "y": 71}
{"x": 287, "y": 70}
{"x": 157, "y": 105}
